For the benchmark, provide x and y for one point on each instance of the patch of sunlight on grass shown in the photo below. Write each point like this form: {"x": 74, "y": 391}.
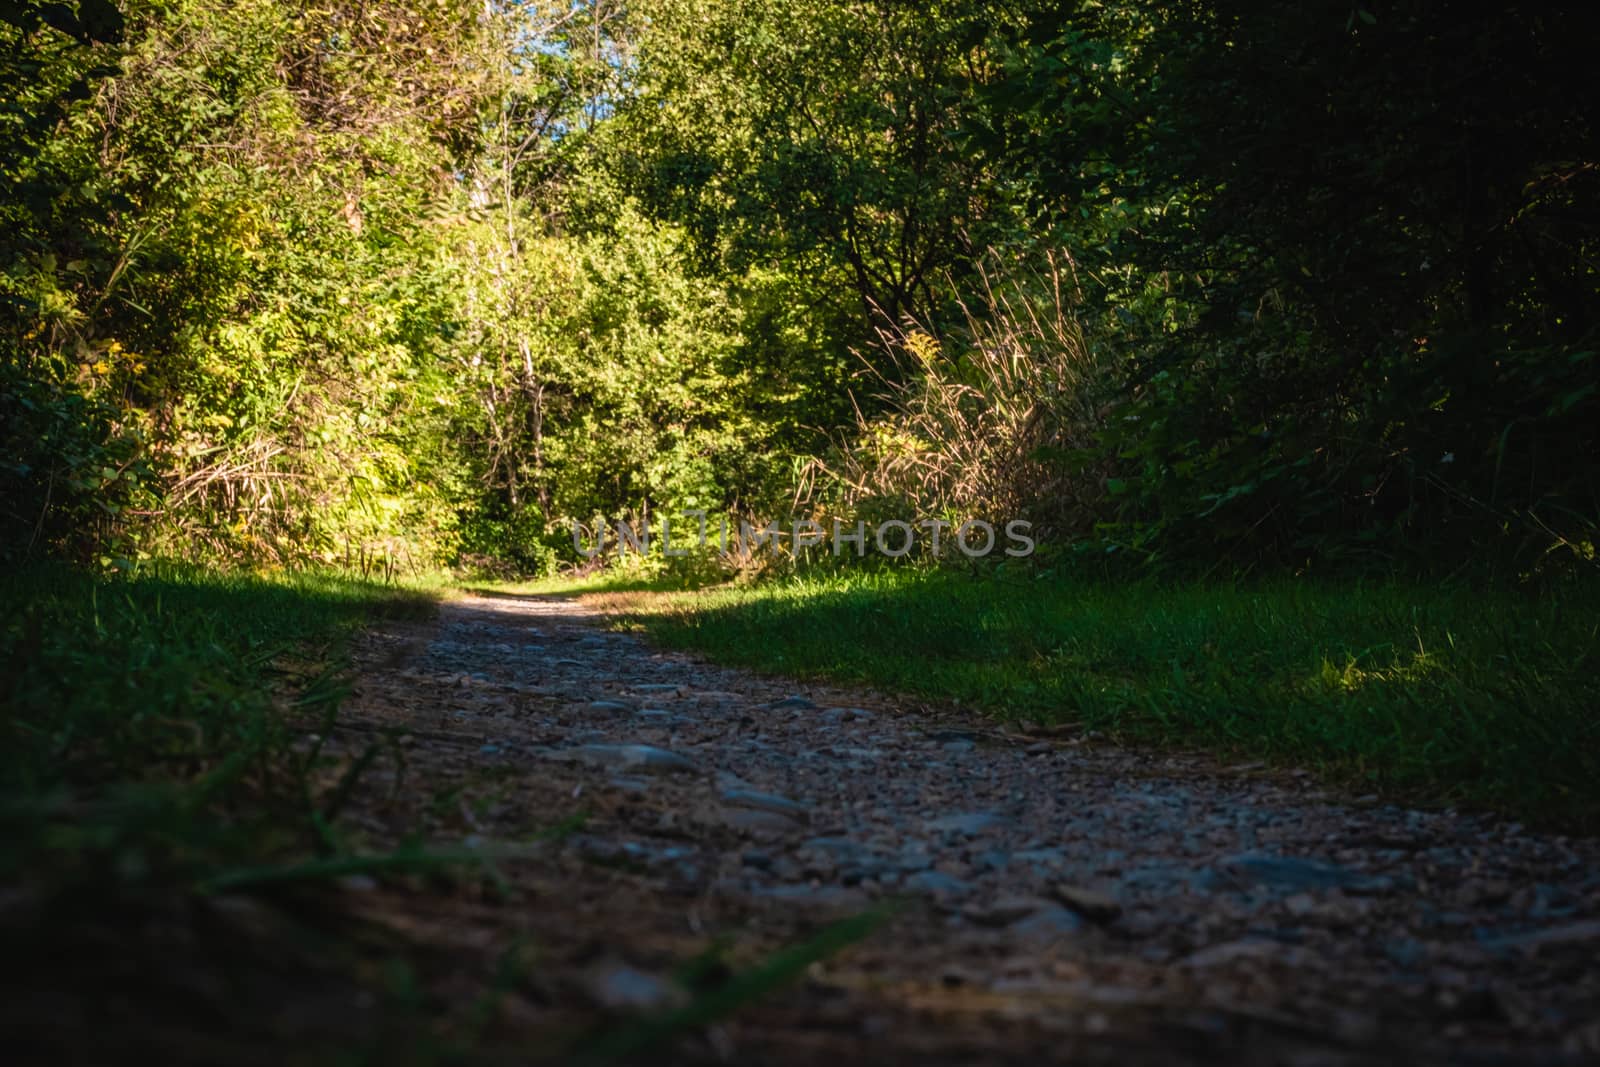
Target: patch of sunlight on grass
{"x": 1443, "y": 693}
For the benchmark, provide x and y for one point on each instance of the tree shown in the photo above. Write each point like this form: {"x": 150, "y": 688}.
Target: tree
{"x": 1373, "y": 237}
{"x": 818, "y": 134}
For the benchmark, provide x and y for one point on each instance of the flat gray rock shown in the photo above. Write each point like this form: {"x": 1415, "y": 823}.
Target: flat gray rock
{"x": 769, "y": 802}
{"x": 1049, "y": 924}
{"x": 646, "y": 758}
{"x": 660, "y": 717}
{"x": 1092, "y": 905}
{"x": 1293, "y": 874}
{"x": 1567, "y": 934}
{"x": 937, "y": 883}
{"x": 969, "y": 823}
{"x": 753, "y": 821}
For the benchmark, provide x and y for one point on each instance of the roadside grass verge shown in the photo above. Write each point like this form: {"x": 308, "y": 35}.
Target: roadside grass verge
{"x": 140, "y": 720}
{"x": 148, "y": 760}
{"x": 1482, "y": 698}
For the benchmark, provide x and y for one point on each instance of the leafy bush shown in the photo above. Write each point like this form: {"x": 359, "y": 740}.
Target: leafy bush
{"x": 68, "y": 470}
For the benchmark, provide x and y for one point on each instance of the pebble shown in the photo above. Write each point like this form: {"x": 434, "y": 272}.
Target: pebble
{"x": 623, "y": 988}
{"x": 1569, "y": 934}
{"x": 937, "y": 883}
{"x": 1289, "y": 873}
{"x": 1048, "y": 925}
{"x": 1049, "y": 857}
{"x": 769, "y": 802}
{"x": 1004, "y": 910}
{"x": 749, "y": 820}
{"x": 647, "y": 758}
{"x": 1097, "y": 907}
{"x": 969, "y": 823}
{"x": 1248, "y": 948}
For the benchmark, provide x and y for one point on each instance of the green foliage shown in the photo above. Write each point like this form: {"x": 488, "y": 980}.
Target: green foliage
{"x": 1367, "y": 304}
{"x": 334, "y": 302}
{"x": 215, "y": 237}
{"x": 405, "y": 282}
{"x": 67, "y": 471}
{"x": 819, "y": 134}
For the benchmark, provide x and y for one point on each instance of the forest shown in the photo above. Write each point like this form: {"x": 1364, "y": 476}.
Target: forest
{"x": 422, "y": 284}
{"x": 1272, "y": 330}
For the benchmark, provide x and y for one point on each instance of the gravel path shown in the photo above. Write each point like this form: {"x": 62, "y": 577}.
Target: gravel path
{"x": 1062, "y": 900}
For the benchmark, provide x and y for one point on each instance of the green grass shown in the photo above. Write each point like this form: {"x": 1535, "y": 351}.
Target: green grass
{"x": 148, "y": 764}
{"x": 140, "y": 740}
{"x": 1459, "y": 695}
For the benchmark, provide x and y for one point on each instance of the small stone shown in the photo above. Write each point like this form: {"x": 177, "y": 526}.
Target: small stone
{"x": 1290, "y": 873}
{"x": 1249, "y": 948}
{"x": 1005, "y": 910}
{"x": 1046, "y": 857}
{"x": 1094, "y": 906}
{"x": 1404, "y": 951}
{"x": 794, "y": 701}
{"x": 769, "y": 802}
{"x": 611, "y": 707}
{"x": 914, "y": 858}
{"x": 968, "y": 824}
{"x": 750, "y": 820}
{"x": 717, "y": 696}
{"x": 1569, "y": 934}
{"x": 638, "y": 757}
{"x": 623, "y": 988}
{"x": 1300, "y": 905}
{"x": 1048, "y": 925}
{"x": 992, "y": 860}
{"x": 938, "y": 884}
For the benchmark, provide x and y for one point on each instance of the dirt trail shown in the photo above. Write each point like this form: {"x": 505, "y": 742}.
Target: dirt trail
{"x": 1062, "y": 901}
